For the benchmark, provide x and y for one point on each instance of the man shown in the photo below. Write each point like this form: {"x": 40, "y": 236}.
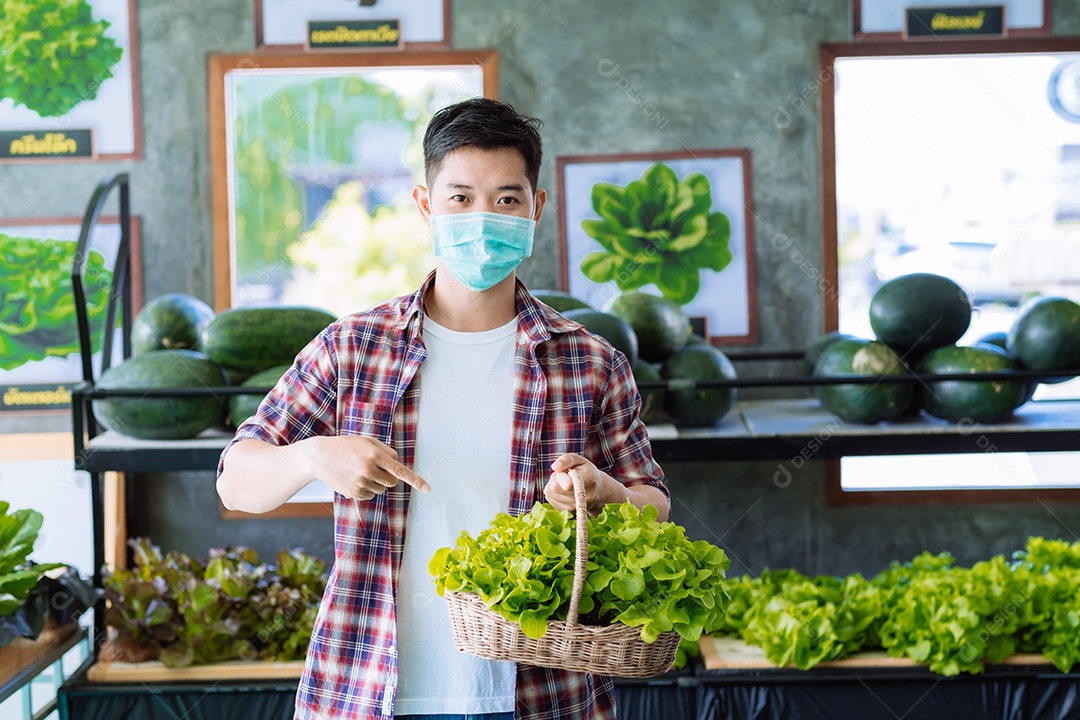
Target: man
{"x": 430, "y": 414}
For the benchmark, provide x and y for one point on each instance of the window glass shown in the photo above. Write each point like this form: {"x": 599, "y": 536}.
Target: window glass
{"x": 966, "y": 166}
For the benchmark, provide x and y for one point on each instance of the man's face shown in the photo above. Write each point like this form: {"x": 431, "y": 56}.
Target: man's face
{"x": 476, "y": 180}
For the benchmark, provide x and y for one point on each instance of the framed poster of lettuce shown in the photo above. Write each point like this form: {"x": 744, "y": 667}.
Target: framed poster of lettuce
{"x": 673, "y": 224}
{"x": 39, "y": 344}
{"x": 69, "y": 80}
{"x": 315, "y": 156}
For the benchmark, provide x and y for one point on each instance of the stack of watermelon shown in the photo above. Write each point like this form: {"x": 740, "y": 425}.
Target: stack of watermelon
{"x": 178, "y": 341}
{"x": 917, "y": 320}
{"x": 655, "y": 335}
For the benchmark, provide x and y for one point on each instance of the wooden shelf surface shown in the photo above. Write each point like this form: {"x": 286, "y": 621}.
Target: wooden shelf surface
{"x": 155, "y": 671}
{"x": 22, "y": 660}
{"x": 728, "y": 653}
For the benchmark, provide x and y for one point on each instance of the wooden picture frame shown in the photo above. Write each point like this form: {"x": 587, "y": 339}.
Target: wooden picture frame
{"x": 883, "y": 20}
{"x": 301, "y": 149}
{"x": 109, "y": 108}
{"x": 725, "y": 305}
{"x": 282, "y": 24}
{"x": 51, "y": 373}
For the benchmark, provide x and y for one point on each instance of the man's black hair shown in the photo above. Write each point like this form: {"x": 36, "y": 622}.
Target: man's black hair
{"x": 486, "y": 124}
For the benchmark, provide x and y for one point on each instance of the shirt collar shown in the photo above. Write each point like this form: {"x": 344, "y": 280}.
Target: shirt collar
{"x": 535, "y": 319}
{"x": 412, "y": 306}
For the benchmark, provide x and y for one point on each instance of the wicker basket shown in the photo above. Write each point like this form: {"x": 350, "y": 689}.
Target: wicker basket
{"x": 615, "y": 650}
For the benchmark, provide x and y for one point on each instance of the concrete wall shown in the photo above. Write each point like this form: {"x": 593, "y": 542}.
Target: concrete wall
{"x": 703, "y": 75}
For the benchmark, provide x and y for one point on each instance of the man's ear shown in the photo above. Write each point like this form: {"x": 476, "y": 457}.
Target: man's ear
{"x": 538, "y": 202}
{"x": 423, "y": 202}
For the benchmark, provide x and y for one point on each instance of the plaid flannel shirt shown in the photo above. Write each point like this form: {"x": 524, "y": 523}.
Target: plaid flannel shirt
{"x": 572, "y": 393}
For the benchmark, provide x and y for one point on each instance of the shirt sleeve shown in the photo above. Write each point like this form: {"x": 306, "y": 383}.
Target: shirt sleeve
{"x": 303, "y": 404}
{"x": 621, "y": 436}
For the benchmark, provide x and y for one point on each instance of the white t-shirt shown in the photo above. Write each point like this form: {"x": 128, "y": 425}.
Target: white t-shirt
{"x": 463, "y": 451}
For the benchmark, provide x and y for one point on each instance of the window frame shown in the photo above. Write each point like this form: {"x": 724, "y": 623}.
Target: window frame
{"x": 828, "y": 54}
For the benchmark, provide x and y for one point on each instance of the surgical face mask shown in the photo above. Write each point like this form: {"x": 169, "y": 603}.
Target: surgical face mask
{"x": 481, "y": 249}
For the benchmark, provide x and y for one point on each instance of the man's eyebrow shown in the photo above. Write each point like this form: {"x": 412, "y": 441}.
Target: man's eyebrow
{"x": 516, "y": 187}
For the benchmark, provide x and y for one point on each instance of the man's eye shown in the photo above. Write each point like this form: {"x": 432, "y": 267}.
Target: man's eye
{"x": 508, "y": 200}
{"x": 458, "y": 198}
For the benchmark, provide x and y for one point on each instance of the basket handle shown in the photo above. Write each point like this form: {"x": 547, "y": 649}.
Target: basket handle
{"x": 581, "y": 554}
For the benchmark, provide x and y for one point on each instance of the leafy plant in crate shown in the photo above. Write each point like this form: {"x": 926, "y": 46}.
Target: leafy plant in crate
{"x": 657, "y": 230}
{"x": 176, "y": 609}
{"x": 28, "y": 597}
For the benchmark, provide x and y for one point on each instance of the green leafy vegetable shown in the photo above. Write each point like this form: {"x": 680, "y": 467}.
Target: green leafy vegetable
{"x": 55, "y": 54}
{"x": 172, "y": 607}
{"x": 18, "y": 533}
{"x": 37, "y": 303}
{"x": 658, "y": 229}
{"x": 641, "y": 572}
{"x": 28, "y": 597}
{"x": 61, "y": 599}
{"x": 953, "y": 619}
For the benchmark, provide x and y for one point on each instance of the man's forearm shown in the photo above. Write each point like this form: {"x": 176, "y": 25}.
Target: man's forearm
{"x": 258, "y": 477}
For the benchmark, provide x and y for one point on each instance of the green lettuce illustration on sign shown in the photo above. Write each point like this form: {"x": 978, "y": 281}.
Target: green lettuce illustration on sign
{"x": 657, "y": 230}
{"x": 37, "y": 302}
{"x": 54, "y": 54}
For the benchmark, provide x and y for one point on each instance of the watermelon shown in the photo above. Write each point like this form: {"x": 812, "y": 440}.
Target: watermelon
{"x": 813, "y": 352}
{"x": 252, "y": 339}
{"x": 864, "y": 402}
{"x": 559, "y": 300}
{"x": 241, "y": 407}
{"x": 610, "y": 327}
{"x": 690, "y": 405}
{"x": 660, "y": 324}
{"x": 174, "y": 321}
{"x": 1046, "y": 335}
{"x": 981, "y": 401}
{"x": 161, "y": 418}
{"x": 913, "y": 314}
{"x": 1001, "y": 340}
{"x": 652, "y": 400}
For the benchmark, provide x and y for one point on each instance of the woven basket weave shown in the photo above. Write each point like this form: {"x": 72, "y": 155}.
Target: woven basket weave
{"x": 615, "y": 650}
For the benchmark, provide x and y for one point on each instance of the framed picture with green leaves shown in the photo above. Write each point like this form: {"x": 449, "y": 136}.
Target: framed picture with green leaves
{"x": 675, "y": 224}
{"x": 39, "y": 342}
{"x": 314, "y": 158}
{"x": 70, "y": 87}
